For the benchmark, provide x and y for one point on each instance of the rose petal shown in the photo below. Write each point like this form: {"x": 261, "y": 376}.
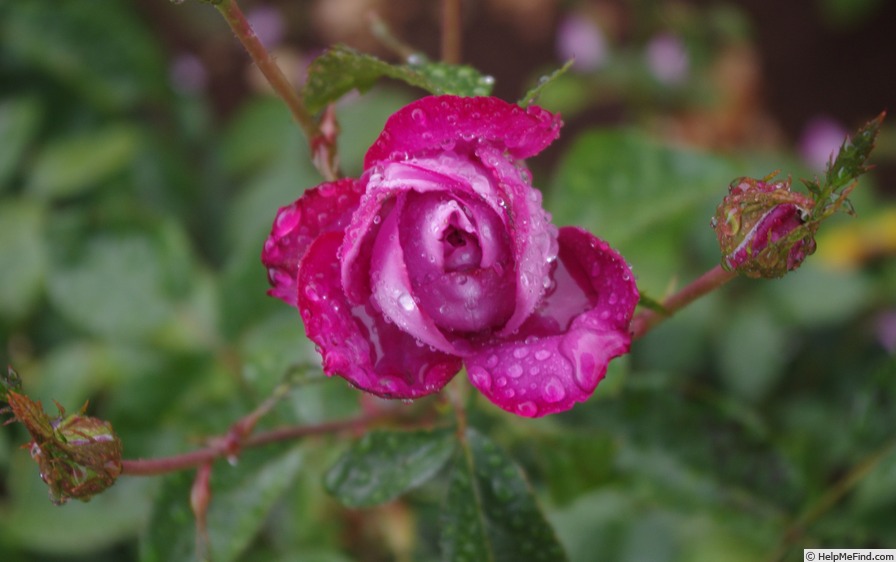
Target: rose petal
{"x": 531, "y": 232}
{"x": 442, "y": 123}
{"x": 391, "y": 286}
{"x": 325, "y": 208}
{"x": 356, "y": 343}
{"x": 562, "y": 352}
{"x": 457, "y": 253}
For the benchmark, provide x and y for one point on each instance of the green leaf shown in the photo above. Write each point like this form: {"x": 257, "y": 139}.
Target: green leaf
{"x": 19, "y": 120}
{"x": 490, "y": 513}
{"x": 533, "y": 94}
{"x": 242, "y": 496}
{"x": 23, "y": 255}
{"x": 115, "y": 286}
{"x": 342, "y": 69}
{"x": 71, "y": 165}
{"x": 105, "y": 55}
{"x": 385, "y": 464}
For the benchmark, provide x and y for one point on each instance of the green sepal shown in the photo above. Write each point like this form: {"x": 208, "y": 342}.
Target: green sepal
{"x": 534, "y": 92}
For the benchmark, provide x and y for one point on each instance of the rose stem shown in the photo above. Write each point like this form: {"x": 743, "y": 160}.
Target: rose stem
{"x": 451, "y": 31}
{"x": 224, "y": 447}
{"x": 706, "y": 283}
{"x": 272, "y": 73}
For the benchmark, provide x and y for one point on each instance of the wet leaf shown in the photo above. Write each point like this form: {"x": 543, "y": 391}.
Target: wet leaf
{"x": 24, "y": 259}
{"x": 19, "y": 120}
{"x": 74, "y": 164}
{"x": 490, "y": 512}
{"x": 342, "y": 69}
{"x": 385, "y": 464}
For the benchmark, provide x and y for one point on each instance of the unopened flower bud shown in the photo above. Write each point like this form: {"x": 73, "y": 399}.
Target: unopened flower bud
{"x": 78, "y": 456}
{"x": 763, "y": 228}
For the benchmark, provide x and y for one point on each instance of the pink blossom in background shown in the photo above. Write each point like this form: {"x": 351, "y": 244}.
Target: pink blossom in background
{"x": 441, "y": 256}
{"x": 667, "y": 58}
{"x": 822, "y": 137}
{"x": 885, "y": 328}
{"x": 581, "y": 39}
{"x": 187, "y": 74}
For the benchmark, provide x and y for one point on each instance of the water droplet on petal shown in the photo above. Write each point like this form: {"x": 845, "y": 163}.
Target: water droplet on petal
{"x": 527, "y": 409}
{"x": 542, "y": 354}
{"x": 492, "y": 361}
{"x": 515, "y": 371}
{"x": 520, "y": 352}
{"x": 406, "y": 302}
{"x": 311, "y": 293}
{"x": 376, "y": 219}
{"x": 554, "y": 391}
{"x": 501, "y": 381}
{"x": 418, "y": 116}
{"x": 480, "y": 378}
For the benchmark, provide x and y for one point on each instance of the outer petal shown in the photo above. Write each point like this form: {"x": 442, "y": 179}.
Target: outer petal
{"x": 440, "y": 123}
{"x": 356, "y": 343}
{"x": 563, "y": 350}
{"x": 325, "y": 208}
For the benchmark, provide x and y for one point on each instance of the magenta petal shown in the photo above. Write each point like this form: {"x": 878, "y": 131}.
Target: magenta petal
{"x": 562, "y": 352}
{"x": 391, "y": 286}
{"x": 533, "y": 236}
{"x": 356, "y": 343}
{"x": 442, "y": 123}
{"x": 325, "y": 208}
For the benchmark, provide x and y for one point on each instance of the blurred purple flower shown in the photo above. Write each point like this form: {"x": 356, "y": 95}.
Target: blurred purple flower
{"x": 822, "y": 136}
{"x": 885, "y": 328}
{"x": 579, "y": 38}
{"x": 667, "y": 58}
{"x": 187, "y": 74}
{"x": 267, "y": 22}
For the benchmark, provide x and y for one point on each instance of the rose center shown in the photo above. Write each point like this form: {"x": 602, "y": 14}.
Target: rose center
{"x": 460, "y": 250}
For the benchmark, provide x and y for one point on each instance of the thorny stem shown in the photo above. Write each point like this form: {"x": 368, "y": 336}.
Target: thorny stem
{"x": 223, "y": 447}
{"x": 451, "y": 31}
{"x": 706, "y": 283}
{"x": 275, "y": 77}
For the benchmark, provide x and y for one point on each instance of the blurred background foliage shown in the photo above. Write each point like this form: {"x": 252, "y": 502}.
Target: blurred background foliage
{"x": 142, "y": 161}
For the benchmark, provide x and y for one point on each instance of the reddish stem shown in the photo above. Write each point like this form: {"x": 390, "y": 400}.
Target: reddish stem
{"x": 223, "y": 447}
{"x": 278, "y": 81}
{"x": 706, "y": 283}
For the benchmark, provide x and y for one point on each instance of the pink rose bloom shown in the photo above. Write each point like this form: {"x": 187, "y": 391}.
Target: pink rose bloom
{"x": 441, "y": 256}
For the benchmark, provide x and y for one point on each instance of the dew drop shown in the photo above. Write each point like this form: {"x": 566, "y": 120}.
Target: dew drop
{"x": 311, "y": 293}
{"x": 480, "y": 378}
{"x": 376, "y": 219}
{"x": 492, "y": 361}
{"x": 501, "y": 381}
{"x": 406, "y": 302}
{"x": 528, "y": 409}
{"x": 554, "y": 391}
{"x": 614, "y": 298}
{"x": 515, "y": 371}
{"x": 418, "y": 116}
{"x": 520, "y": 352}
{"x": 542, "y": 354}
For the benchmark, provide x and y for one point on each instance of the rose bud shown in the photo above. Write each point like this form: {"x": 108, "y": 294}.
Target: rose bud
{"x": 78, "y": 456}
{"x": 762, "y": 228}
{"x": 441, "y": 256}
